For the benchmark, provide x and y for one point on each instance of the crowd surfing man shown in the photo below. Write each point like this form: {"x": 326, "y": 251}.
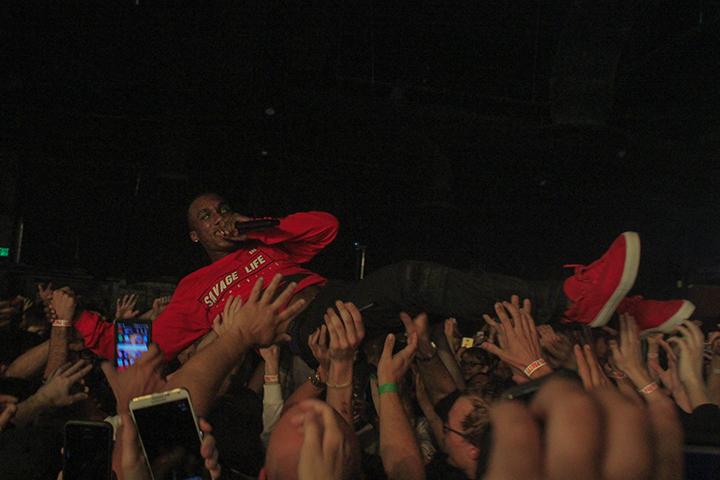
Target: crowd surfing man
{"x": 590, "y": 296}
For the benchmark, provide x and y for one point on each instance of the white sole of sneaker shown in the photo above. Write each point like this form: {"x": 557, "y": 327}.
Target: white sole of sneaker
{"x": 683, "y": 313}
{"x": 630, "y": 271}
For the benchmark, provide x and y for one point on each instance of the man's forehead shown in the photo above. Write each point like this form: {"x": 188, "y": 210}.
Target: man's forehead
{"x": 205, "y": 201}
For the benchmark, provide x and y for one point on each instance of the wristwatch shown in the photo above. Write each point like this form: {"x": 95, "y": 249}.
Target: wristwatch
{"x": 316, "y": 381}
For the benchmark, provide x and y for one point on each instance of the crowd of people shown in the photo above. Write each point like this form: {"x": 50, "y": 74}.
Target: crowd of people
{"x": 416, "y": 371}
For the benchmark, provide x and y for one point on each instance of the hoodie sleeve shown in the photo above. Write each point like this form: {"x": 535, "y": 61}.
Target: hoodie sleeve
{"x": 302, "y": 235}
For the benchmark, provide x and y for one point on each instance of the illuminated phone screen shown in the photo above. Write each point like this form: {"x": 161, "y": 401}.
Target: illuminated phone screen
{"x": 131, "y": 340}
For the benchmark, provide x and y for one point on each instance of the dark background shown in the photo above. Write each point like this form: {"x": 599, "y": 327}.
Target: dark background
{"x": 513, "y": 136}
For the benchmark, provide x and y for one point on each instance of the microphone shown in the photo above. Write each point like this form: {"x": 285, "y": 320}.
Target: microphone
{"x": 249, "y": 226}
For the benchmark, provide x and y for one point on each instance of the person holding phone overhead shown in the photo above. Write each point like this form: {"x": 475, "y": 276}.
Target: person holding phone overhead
{"x": 239, "y": 257}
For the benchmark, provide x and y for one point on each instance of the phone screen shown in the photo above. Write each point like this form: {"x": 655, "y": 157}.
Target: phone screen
{"x": 87, "y": 451}
{"x": 131, "y": 340}
{"x": 170, "y": 438}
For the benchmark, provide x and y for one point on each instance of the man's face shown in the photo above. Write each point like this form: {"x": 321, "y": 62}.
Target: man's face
{"x": 204, "y": 218}
{"x": 461, "y": 453}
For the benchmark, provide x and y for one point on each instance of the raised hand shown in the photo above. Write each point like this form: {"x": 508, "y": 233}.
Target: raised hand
{"x": 690, "y": 343}
{"x": 63, "y": 304}
{"x": 159, "y": 305}
{"x": 8, "y": 407}
{"x": 558, "y": 346}
{"x": 325, "y": 448}
{"x": 346, "y": 331}
{"x": 125, "y": 307}
{"x": 208, "y": 450}
{"x": 318, "y": 343}
{"x": 271, "y": 357}
{"x": 45, "y": 293}
{"x": 419, "y": 325}
{"x": 627, "y": 355}
{"x": 453, "y": 337}
{"x": 392, "y": 368}
{"x": 142, "y": 378}
{"x": 56, "y": 391}
{"x": 670, "y": 377}
{"x": 262, "y": 320}
{"x": 519, "y": 341}
{"x": 589, "y": 369}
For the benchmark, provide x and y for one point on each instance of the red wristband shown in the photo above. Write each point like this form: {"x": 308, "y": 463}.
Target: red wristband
{"x": 534, "y": 366}
{"x": 649, "y": 388}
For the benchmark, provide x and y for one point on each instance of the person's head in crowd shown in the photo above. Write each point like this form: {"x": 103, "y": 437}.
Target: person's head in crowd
{"x": 205, "y": 215}
{"x": 465, "y": 424}
{"x": 285, "y": 448}
{"x": 477, "y": 366}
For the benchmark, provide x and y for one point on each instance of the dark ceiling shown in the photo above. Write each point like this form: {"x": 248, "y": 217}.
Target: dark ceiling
{"x": 519, "y": 126}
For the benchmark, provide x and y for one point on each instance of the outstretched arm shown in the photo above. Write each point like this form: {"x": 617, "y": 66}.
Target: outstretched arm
{"x": 398, "y": 447}
{"x": 346, "y": 333}
{"x": 245, "y": 325}
{"x": 435, "y": 376}
{"x": 302, "y": 234}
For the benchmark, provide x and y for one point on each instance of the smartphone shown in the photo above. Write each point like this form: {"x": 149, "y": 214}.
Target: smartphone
{"x": 169, "y": 434}
{"x": 132, "y": 338}
{"x": 87, "y": 451}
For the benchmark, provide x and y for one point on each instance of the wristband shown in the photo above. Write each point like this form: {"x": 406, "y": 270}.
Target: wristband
{"x": 530, "y": 369}
{"x": 339, "y": 385}
{"x": 652, "y": 355}
{"x": 272, "y": 379}
{"x": 649, "y": 388}
{"x": 62, "y": 323}
{"x": 387, "y": 388}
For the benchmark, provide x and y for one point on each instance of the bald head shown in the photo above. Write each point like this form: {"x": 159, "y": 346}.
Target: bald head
{"x": 283, "y": 451}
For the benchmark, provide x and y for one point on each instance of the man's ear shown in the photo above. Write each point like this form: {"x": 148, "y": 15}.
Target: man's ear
{"x": 474, "y": 452}
{"x": 262, "y": 475}
{"x": 194, "y": 236}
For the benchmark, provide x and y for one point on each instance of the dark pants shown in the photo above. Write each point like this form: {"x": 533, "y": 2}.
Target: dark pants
{"x": 416, "y": 287}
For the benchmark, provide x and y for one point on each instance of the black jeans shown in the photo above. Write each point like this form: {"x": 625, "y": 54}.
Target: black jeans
{"x": 417, "y": 287}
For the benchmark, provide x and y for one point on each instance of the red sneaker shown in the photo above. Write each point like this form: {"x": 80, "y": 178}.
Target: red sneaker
{"x": 656, "y": 315}
{"x": 596, "y": 290}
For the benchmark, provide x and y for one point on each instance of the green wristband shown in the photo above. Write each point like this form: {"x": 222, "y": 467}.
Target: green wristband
{"x": 387, "y": 388}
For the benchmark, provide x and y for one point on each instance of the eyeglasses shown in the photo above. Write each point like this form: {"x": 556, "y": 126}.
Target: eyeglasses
{"x": 446, "y": 429}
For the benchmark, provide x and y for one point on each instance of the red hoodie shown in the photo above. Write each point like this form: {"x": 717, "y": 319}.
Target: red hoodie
{"x": 201, "y": 296}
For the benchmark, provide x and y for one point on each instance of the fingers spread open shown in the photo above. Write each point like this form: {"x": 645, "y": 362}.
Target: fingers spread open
{"x": 255, "y": 292}
{"x": 79, "y": 374}
{"x": 285, "y": 296}
{"x": 269, "y": 293}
